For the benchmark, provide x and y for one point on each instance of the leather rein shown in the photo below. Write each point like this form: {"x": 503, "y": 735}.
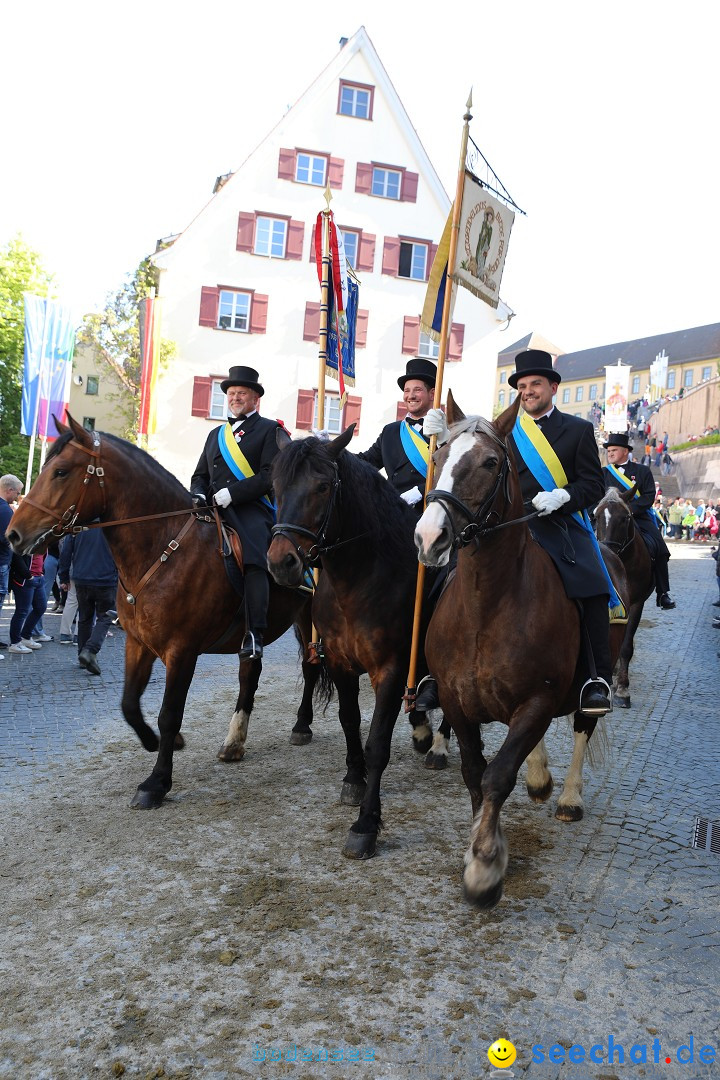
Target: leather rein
{"x": 320, "y": 545}
{"x": 479, "y": 520}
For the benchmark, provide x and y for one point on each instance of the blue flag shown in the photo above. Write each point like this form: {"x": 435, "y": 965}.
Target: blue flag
{"x": 47, "y": 371}
{"x": 348, "y": 324}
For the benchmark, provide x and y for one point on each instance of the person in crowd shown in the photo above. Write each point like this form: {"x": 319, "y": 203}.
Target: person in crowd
{"x": 10, "y": 488}
{"x": 87, "y": 559}
{"x": 699, "y": 529}
{"x": 28, "y": 589}
{"x": 688, "y": 521}
{"x": 234, "y": 472}
{"x": 675, "y": 515}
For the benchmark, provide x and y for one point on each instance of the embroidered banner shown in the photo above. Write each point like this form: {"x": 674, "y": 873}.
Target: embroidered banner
{"x": 617, "y": 380}
{"x": 485, "y": 225}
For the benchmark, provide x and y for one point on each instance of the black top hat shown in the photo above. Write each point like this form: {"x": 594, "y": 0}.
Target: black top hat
{"x": 618, "y": 440}
{"x": 533, "y": 362}
{"x": 418, "y": 368}
{"x": 242, "y": 376}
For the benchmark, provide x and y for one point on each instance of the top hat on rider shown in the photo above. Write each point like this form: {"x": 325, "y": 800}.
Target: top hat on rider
{"x": 561, "y": 477}
{"x": 402, "y": 447}
{"x": 233, "y": 473}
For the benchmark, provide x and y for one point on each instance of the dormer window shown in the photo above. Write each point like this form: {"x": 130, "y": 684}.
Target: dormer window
{"x": 356, "y": 99}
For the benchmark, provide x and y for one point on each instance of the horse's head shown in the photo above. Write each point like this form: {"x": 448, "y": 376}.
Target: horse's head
{"x": 613, "y": 518}
{"x": 472, "y": 488}
{"x": 306, "y": 483}
{"x": 69, "y": 489}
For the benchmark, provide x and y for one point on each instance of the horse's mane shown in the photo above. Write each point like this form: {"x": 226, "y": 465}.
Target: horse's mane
{"x": 369, "y": 503}
{"x": 163, "y": 487}
{"x": 612, "y": 495}
{"x": 475, "y": 423}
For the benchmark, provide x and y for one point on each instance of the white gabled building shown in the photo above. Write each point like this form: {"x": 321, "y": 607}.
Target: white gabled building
{"x": 240, "y": 286}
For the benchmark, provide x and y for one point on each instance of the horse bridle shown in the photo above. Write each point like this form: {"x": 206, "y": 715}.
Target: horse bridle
{"x": 619, "y": 546}
{"x": 478, "y": 521}
{"x": 66, "y": 523}
{"x": 320, "y": 545}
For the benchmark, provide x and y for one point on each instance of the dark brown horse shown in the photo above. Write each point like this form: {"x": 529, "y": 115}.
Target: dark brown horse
{"x": 174, "y": 598}
{"x": 504, "y": 640}
{"x": 336, "y": 509}
{"x": 616, "y": 528}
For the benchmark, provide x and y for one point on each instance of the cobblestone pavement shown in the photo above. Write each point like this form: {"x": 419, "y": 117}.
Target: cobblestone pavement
{"x": 609, "y": 929}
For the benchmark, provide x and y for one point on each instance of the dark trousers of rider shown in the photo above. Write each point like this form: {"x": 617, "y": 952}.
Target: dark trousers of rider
{"x": 257, "y": 597}
{"x": 662, "y": 575}
{"x": 96, "y": 611}
{"x": 597, "y": 623}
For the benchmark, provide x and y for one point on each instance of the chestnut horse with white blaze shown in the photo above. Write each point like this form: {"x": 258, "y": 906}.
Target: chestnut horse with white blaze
{"x": 504, "y": 641}
{"x": 174, "y": 599}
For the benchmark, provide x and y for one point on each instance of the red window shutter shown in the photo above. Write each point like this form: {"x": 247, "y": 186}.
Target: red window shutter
{"x": 361, "y": 326}
{"x": 296, "y": 232}
{"x": 432, "y": 249}
{"x": 391, "y": 256}
{"x": 209, "y": 300}
{"x": 312, "y": 242}
{"x": 366, "y": 252}
{"x": 411, "y": 335}
{"x": 258, "y": 314}
{"x": 336, "y": 168}
{"x": 305, "y": 409}
{"x": 246, "y": 232}
{"x": 455, "y": 344}
{"x": 286, "y": 165}
{"x": 363, "y": 178}
{"x": 352, "y": 413}
{"x": 409, "y": 187}
{"x": 202, "y": 391}
{"x": 311, "y": 328}
{"x": 401, "y": 410}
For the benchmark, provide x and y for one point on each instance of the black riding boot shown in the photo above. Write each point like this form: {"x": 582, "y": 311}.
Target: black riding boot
{"x": 595, "y": 698}
{"x": 257, "y": 596}
{"x": 662, "y": 583}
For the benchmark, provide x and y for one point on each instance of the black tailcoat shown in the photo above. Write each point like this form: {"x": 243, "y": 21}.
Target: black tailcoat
{"x": 252, "y": 518}
{"x": 643, "y": 477}
{"x": 571, "y": 549}
{"x": 387, "y": 453}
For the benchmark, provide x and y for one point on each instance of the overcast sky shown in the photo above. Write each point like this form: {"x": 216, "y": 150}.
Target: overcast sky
{"x": 601, "y": 120}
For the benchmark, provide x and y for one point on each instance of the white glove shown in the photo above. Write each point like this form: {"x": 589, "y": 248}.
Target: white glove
{"x": 223, "y": 497}
{"x": 548, "y": 501}
{"x": 414, "y": 495}
{"x": 434, "y": 423}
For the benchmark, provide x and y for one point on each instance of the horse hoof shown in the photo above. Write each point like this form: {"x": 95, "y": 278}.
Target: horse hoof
{"x": 179, "y": 743}
{"x": 147, "y": 800}
{"x": 231, "y": 753}
{"x": 486, "y": 899}
{"x": 569, "y": 813}
{"x": 300, "y": 738}
{"x": 352, "y": 794}
{"x": 360, "y": 845}
{"x": 621, "y": 702}
{"x": 436, "y": 761}
{"x": 541, "y": 794}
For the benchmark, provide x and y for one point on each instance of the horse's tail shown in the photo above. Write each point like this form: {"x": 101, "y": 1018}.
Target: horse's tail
{"x": 324, "y": 688}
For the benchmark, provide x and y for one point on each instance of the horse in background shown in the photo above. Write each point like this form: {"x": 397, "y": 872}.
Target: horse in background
{"x": 504, "y": 640}
{"x": 335, "y": 510}
{"x": 174, "y": 598}
{"x": 616, "y": 529}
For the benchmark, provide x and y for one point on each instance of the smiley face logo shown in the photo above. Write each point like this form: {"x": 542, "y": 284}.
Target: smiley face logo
{"x": 502, "y": 1054}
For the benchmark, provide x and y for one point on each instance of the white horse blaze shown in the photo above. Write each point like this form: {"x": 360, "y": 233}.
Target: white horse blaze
{"x": 429, "y": 528}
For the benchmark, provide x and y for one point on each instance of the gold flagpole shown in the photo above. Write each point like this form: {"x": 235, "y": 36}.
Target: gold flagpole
{"x": 442, "y": 352}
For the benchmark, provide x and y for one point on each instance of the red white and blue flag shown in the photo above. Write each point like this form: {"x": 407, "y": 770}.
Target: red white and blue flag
{"x": 47, "y": 369}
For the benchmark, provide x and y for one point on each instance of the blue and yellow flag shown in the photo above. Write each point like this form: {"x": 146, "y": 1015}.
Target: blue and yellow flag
{"x": 431, "y": 318}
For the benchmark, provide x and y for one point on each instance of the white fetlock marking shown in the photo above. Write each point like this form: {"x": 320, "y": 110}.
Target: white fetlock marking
{"x": 422, "y": 731}
{"x": 482, "y": 875}
{"x": 538, "y": 774}
{"x": 440, "y": 745}
{"x": 237, "y": 732}
{"x": 572, "y": 792}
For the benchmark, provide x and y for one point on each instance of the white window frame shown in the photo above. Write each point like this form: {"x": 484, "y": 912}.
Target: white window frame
{"x": 274, "y": 226}
{"x": 94, "y": 382}
{"x": 688, "y": 378}
{"x": 579, "y": 393}
{"x": 333, "y": 413}
{"x": 428, "y": 347}
{"x": 513, "y": 395}
{"x": 381, "y": 181}
{"x": 671, "y": 377}
{"x": 218, "y": 402}
{"x": 635, "y": 385}
{"x": 503, "y": 376}
{"x": 418, "y": 261}
{"x": 706, "y": 373}
{"x": 566, "y": 396}
{"x": 356, "y": 240}
{"x": 501, "y": 398}
{"x": 305, "y": 168}
{"x": 357, "y": 108}
{"x": 227, "y": 321}
{"x": 592, "y": 394}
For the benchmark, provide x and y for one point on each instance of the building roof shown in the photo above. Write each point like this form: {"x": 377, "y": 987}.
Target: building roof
{"x": 695, "y": 344}
{"x": 532, "y": 340}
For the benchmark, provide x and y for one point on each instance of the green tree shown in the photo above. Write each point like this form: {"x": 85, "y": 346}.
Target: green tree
{"x": 114, "y": 334}
{"x": 21, "y": 271}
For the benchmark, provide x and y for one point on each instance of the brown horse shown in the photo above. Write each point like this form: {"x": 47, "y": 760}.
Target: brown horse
{"x": 174, "y": 598}
{"x": 616, "y": 529}
{"x": 338, "y": 510}
{"x": 504, "y": 641}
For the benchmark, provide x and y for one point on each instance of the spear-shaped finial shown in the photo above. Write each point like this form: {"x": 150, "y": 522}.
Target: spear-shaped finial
{"x": 328, "y": 195}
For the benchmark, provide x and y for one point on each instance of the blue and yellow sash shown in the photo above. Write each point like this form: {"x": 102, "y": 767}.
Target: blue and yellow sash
{"x": 236, "y": 461}
{"x": 546, "y": 467}
{"x": 416, "y": 449}
{"x": 627, "y": 484}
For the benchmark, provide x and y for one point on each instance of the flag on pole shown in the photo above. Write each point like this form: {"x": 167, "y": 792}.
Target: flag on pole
{"x": 342, "y": 306}
{"x": 150, "y": 353}
{"x": 47, "y": 367}
{"x": 485, "y": 225}
{"x": 617, "y": 379}
{"x": 431, "y": 318}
